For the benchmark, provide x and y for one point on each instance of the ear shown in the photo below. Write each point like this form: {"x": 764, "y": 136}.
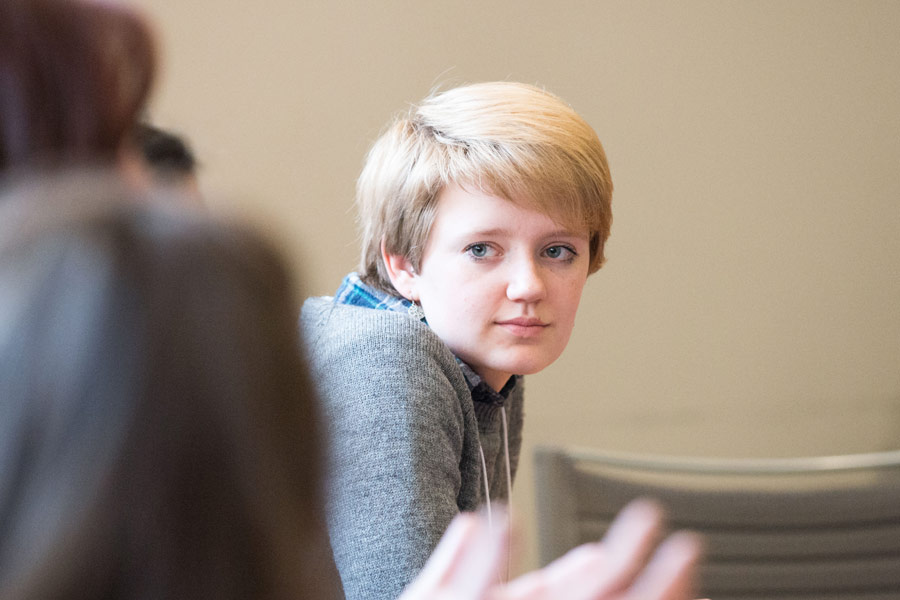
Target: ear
{"x": 401, "y": 273}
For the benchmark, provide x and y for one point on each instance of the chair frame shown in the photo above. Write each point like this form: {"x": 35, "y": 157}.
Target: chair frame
{"x": 795, "y": 526}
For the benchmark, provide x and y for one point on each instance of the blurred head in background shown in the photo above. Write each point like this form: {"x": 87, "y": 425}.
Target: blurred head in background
{"x": 169, "y": 159}
{"x": 76, "y": 75}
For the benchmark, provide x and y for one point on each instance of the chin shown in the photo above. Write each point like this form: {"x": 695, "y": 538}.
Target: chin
{"x": 529, "y": 367}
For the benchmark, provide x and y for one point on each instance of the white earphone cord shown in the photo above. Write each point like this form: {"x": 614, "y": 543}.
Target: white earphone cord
{"x": 508, "y": 488}
{"x": 487, "y": 488}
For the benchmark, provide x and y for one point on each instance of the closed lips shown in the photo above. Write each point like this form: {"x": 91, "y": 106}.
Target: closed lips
{"x": 523, "y": 322}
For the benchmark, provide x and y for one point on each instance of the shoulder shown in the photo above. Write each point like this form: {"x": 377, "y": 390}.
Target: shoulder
{"x": 383, "y": 358}
{"x": 359, "y": 332}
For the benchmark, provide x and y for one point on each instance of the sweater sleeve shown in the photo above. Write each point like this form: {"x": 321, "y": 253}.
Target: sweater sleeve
{"x": 392, "y": 396}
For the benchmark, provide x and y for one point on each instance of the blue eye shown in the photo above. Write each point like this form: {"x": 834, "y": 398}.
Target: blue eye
{"x": 560, "y": 252}
{"x": 478, "y": 250}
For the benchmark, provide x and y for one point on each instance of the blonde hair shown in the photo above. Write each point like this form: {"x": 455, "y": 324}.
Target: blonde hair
{"x": 512, "y": 140}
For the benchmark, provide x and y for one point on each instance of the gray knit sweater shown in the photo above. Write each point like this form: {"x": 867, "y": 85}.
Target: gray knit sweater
{"x": 404, "y": 435}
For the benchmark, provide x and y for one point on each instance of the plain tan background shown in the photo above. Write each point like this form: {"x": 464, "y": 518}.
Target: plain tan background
{"x": 751, "y": 302}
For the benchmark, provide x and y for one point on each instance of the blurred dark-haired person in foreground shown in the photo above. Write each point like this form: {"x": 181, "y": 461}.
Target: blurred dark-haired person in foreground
{"x": 158, "y": 436}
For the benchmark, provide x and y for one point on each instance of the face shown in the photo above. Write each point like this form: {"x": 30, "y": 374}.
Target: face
{"x": 499, "y": 283}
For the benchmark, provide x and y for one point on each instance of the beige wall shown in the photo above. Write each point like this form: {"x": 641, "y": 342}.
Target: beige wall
{"x": 751, "y": 303}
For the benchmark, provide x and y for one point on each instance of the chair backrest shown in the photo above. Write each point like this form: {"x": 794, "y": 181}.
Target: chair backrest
{"x": 811, "y": 528}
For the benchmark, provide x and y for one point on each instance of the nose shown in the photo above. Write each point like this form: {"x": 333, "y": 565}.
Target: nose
{"x": 526, "y": 282}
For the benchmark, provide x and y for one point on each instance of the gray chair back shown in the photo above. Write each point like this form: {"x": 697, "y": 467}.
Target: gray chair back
{"x": 783, "y": 529}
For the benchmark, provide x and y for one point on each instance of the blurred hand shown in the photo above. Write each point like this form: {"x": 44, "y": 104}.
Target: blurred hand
{"x": 624, "y": 566}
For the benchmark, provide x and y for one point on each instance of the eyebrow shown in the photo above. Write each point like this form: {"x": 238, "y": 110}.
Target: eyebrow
{"x": 480, "y": 234}
{"x": 566, "y": 233}
{"x": 486, "y": 232}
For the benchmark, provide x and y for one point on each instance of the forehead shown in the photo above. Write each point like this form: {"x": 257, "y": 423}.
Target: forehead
{"x": 462, "y": 209}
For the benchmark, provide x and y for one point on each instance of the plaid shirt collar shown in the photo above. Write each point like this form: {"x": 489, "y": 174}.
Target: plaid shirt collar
{"x": 356, "y": 293}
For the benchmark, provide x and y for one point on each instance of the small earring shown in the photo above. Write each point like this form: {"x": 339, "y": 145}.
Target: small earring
{"x": 415, "y": 311}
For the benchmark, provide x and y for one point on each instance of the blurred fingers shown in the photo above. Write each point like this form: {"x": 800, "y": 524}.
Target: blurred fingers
{"x": 629, "y": 542}
{"x": 466, "y": 561}
{"x": 671, "y": 573}
{"x": 444, "y": 561}
{"x": 618, "y": 567}
{"x": 572, "y": 576}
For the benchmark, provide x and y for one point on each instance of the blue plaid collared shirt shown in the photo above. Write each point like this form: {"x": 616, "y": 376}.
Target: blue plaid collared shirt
{"x": 356, "y": 293}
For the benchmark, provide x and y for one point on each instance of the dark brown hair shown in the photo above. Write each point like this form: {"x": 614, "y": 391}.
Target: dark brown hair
{"x": 74, "y": 78}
